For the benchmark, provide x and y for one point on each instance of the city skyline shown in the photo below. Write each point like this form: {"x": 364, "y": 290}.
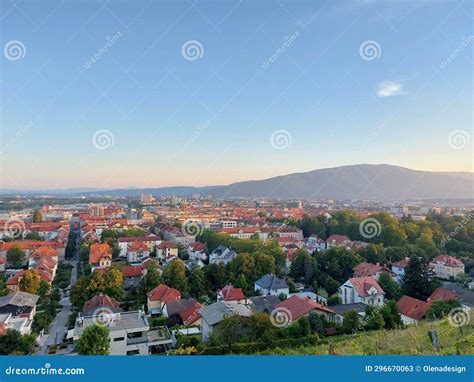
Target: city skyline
{"x": 151, "y": 94}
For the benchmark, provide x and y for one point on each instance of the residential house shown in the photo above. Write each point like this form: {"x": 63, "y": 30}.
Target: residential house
{"x": 151, "y": 241}
{"x": 159, "y": 296}
{"x": 398, "y": 268}
{"x": 137, "y": 252}
{"x": 212, "y": 315}
{"x": 132, "y": 274}
{"x": 369, "y": 270}
{"x": 166, "y": 250}
{"x": 342, "y": 309}
{"x": 296, "y": 307}
{"x": 412, "y": 310}
{"x": 362, "y": 289}
{"x": 13, "y": 283}
{"x": 100, "y": 304}
{"x": 183, "y": 312}
{"x": 271, "y": 285}
{"x": 222, "y": 255}
{"x": 197, "y": 251}
{"x": 338, "y": 241}
{"x": 229, "y": 293}
{"x": 100, "y": 256}
{"x": 315, "y": 243}
{"x": 18, "y": 311}
{"x": 264, "y": 304}
{"x": 129, "y": 333}
{"x": 446, "y": 267}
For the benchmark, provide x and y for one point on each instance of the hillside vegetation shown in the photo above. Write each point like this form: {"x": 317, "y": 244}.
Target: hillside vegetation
{"x": 413, "y": 340}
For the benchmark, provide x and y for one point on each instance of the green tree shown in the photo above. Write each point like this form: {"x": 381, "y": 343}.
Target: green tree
{"x": 351, "y": 322}
{"x": 13, "y": 343}
{"x": 389, "y": 286}
{"x": 440, "y": 309}
{"x": 373, "y": 318}
{"x": 15, "y": 256}
{"x": 304, "y": 326}
{"x": 197, "y": 282}
{"x": 43, "y": 290}
{"x": 94, "y": 341}
{"x": 30, "y": 281}
{"x": 331, "y": 285}
{"x": 113, "y": 280}
{"x": 174, "y": 276}
{"x": 241, "y": 282}
{"x": 316, "y": 323}
{"x": 37, "y": 216}
{"x": 391, "y": 315}
{"x": 418, "y": 281}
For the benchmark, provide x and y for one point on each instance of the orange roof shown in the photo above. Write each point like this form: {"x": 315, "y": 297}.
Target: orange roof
{"x": 163, "y": 293}
{"x": 191, "y": 314}
{"x": 363, "y": 284}
{"x": 442, "y": 294}
{"x": 231, "y": 294}
{"x": 45, "y": 251}
{"x": 98, "y": 251}
{"x": 137, "y": 246}
{"x": 298, "y": 307}
{"x": 15, "y": 280}
{"x": 412, "y": 307}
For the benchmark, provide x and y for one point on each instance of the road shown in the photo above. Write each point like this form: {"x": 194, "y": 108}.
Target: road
{"x": 58, "y": 327}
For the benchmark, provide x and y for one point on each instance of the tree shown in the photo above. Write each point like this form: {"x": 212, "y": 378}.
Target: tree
{"x": 316, "y": 323}
{"x": 304, "y": 326}
{"x": 113, "y": 280}
{"x": 43, "y": 290}
{"x": 174, "y": 276}
{"x": 33, "y": 236}
{"x": 418, "y": 280}
{"x": 229, "y": 331}
{"x": 94, "y": 341}
{"x": 148, "y": 282}
{"x": 15, "y": 256}
{"x": 351, "y": 321}
{"x": 197, "y": 282}
{"x": 440, "y": 309}
{"x": 30, "y": 281}
{"x": 241, "y": 282}
{"x": 37, "y": 216}
{"x": 391, "y": 315}
{"x": 331, "y": 285}
{"x": 13, "y": 343}
{"x": 373, "y": 318}
{"x": 389, "y": 286}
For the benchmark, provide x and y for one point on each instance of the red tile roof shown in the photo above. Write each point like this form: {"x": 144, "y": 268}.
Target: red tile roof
{"x": 101, "y": 300}
{"x": 442, "y": 294}
{"x": 164, "y": 294}
{"x": 97, "y": 251}
{"x": 192, "y": 313}
{"x": 413, "y": 308}
{"x": 363, "y": 284}
{"x": 167, "y": 244}
{"x": 15, "y": 280}
{"x": 232, "y": 294}
{"x": 366, "y": 269}
{"x": 137, "y": 246}
{"x": 298, "y": 307}
{"x": 401, "y": 264}
{"x": 448, "y": 261}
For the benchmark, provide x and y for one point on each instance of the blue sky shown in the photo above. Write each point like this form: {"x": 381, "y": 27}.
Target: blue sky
{"x": 161, "y": 116}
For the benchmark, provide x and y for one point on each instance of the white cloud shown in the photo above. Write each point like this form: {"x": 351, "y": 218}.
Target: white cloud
{"x": 389, "y": 88}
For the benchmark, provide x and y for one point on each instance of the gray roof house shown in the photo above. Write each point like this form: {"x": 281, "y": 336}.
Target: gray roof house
{"x": 212, "y": 315}
{"x": 271, "y": 285}
{"x": 19, "y": 304}
{"x": 264, "y": 304}
{"x": 342, "y": 309}
{"x": 222, "y": 255}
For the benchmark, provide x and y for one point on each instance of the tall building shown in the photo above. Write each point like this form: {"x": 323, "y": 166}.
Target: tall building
{"x": 146, "y": 198}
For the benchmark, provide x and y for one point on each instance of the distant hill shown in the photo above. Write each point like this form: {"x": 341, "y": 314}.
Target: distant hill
{"x": 364, "y": 181}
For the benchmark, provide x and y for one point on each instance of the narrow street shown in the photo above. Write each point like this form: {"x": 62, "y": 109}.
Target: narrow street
{"x": 58, "y": 327}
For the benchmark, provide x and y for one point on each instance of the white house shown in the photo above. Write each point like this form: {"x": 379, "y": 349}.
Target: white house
{"x": 446, "y": 267}
{"x": 271, "y": 285}
{"x": 362, "y": 289}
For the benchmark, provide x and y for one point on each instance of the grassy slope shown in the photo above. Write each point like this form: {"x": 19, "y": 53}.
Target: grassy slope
{"x": 413, "y": 340}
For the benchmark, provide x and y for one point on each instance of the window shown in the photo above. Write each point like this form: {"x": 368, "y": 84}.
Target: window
{"x": 117, "y": 339}
{"x": 133, "y": 352}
